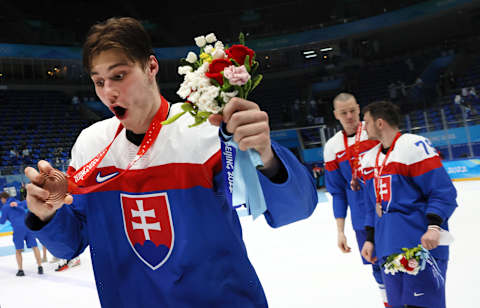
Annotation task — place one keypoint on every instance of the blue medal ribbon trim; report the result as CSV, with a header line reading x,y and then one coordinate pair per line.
x,y
242,186
426,257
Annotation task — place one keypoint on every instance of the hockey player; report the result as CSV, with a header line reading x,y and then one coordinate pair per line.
x,y
161,234
14,211
341,154
410,198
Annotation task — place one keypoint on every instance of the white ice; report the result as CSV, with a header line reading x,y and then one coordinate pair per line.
x,y
299,266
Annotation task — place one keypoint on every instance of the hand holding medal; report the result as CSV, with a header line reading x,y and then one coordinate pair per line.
x,y
48,190
354,184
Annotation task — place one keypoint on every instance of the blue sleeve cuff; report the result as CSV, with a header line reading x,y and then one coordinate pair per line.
x,y
295,198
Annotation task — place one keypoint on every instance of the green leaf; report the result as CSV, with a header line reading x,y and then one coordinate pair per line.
x,y
214,82
187,107
256,81
220,101
241,92
204,114
247,63
201,117
173,119
254,67
248,87
227,87
241,38
235,62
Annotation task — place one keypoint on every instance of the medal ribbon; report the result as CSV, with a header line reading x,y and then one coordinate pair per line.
x,y
356,147
77,180
378,171
242,185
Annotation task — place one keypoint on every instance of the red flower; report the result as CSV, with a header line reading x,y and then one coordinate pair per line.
x,y
239,53
404,262
215,68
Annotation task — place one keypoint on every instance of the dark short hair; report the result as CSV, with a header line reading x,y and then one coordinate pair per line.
x,y
123,33
384,110
4,194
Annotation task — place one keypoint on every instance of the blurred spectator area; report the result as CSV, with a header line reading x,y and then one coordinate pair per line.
x,y
43,122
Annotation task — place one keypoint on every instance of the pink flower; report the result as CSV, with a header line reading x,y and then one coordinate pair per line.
x,y
237,76
413,263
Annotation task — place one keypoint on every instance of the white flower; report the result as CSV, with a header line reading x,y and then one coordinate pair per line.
x,y
218,54
194,97
219,45
210,38
397,262
182,70
227,96
191,57
390,270
208,49
206,101
184,90
200,41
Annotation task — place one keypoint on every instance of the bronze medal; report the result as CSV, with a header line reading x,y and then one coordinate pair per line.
x,y
378,208
57,185
354,185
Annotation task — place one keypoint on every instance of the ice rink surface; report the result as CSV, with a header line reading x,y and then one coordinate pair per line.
x,y
299,265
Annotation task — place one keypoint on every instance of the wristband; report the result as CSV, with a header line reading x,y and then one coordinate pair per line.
x,y
434,227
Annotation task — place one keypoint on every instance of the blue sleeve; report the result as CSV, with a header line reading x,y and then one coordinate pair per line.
x,y
337,185
293,200
65,234
22,204
437,187
4,217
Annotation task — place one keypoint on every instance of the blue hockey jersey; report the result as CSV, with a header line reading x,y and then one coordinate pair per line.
x,y
413,184
16,214
338,174
163,235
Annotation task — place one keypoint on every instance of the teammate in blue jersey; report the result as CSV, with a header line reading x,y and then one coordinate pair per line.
x,y
409,197
341,155
161,234
14,211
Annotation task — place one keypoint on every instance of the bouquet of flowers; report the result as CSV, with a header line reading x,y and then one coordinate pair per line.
x,y
410,261
215,76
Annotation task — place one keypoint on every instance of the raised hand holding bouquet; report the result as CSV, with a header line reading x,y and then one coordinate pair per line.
x,y
215,76
211,80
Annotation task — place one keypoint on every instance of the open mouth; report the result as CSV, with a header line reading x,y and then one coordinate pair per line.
x,y
119,111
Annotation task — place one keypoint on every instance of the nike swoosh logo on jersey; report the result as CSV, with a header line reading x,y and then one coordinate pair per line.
x,y
367,171
101,179
341,155
418,294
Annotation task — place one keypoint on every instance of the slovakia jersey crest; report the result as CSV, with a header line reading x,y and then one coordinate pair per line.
x,y
386,189
148,226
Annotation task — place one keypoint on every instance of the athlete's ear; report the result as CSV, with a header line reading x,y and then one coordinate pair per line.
x,y
152,66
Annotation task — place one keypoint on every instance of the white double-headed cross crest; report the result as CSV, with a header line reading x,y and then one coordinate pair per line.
x,y
383,189
143,225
